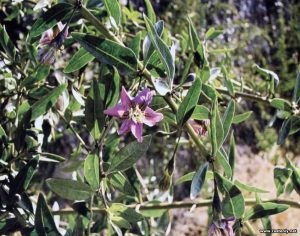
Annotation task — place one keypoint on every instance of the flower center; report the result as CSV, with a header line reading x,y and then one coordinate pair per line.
x,y
136,114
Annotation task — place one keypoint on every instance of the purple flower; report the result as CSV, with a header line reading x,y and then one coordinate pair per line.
x,y
224,228
135,112
50,42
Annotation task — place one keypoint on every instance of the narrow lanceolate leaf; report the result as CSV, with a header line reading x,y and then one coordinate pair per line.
x,y
228,117
281,176
284,131
295,175
94,116
44,222
249,188
121,183
79,60
91,171
114,10
222,159
110,88
121,210
216,129
189,103
264,209
129,154
108,52
233,203
200,113
185,178
296,93
150,12
267,74
198,180
6,43
22,180
70,189
228,82
162,49
281,104
50,18
231,155
241,117
135,44
212,33
46,102
193,36
148,47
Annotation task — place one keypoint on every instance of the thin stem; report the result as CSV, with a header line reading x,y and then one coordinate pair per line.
x,y
252,97
183,204
250,228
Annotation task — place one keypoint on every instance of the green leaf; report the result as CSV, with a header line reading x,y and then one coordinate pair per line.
x,y
231,155
120,222
233,203
46,102
152,212
209,92
266,222
91,171
129,154
249,188
44,222
94,116
162,49
264,209
198,180
200,113
281,104
212,33
295,126
114,10
70,189
185,178
109,52
135,44
50,18
296,93
148,48
189,103
228,82
121,183
110,88
222,159
52,156
216,129
267,74
284,131
78,60
150,12
281,175
295,175
41,73
228,117
241,117
121,210
6,43
21,182
193,36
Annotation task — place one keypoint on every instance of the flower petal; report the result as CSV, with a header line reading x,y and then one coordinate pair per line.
x,y
117,111
125,98
152,117
125,127
137,130
143,98
47,37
